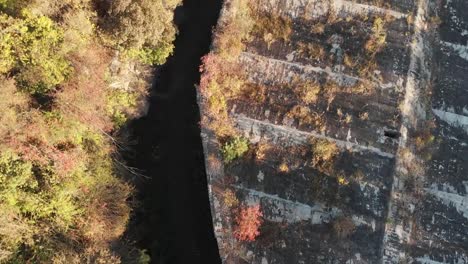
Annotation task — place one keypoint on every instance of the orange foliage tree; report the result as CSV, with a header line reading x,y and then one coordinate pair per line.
x,y
248,221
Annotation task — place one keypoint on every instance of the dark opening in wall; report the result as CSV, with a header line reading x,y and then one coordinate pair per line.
x,y
392,134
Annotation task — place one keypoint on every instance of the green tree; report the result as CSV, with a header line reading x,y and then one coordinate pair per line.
x,y
31,46
143,28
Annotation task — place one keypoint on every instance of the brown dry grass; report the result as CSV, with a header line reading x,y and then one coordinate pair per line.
x,y
344,226
307,117
312,50
272,27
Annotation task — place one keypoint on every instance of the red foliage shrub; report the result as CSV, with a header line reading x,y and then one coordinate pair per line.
x,y
213,68
248,223
209,68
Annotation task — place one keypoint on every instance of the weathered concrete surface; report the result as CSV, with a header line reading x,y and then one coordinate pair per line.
x,y
406,163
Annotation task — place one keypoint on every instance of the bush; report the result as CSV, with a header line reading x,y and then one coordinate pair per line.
x,y
12,104
119,103
217,88
307,117
378,38
234,149
230,198
13,231
312,51
248,222
323,151
106,210
152,56
308,91
144,258
78,30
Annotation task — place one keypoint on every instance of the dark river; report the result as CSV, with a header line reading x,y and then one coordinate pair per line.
x,y
174,220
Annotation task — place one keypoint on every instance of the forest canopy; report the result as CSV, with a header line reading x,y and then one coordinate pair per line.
x,y
68,84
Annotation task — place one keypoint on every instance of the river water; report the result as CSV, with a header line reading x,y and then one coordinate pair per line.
x,y
174,220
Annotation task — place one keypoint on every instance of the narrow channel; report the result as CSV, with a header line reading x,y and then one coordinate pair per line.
x,y
174,220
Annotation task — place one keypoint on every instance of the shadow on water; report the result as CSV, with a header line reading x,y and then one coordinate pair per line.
x,y
174,220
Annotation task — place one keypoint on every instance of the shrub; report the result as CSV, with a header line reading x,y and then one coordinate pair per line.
x,y
323,151
378,38
234,148
119,105
342,180
318,28
78,30
312,50
230,199
5,3
152,56
248,222
309,91
107,211
12,6
283,167
217,88
12,104
13,231
144,258
424,137
262,150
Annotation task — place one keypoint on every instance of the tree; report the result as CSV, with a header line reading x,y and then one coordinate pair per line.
x,y
143,28
31,46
